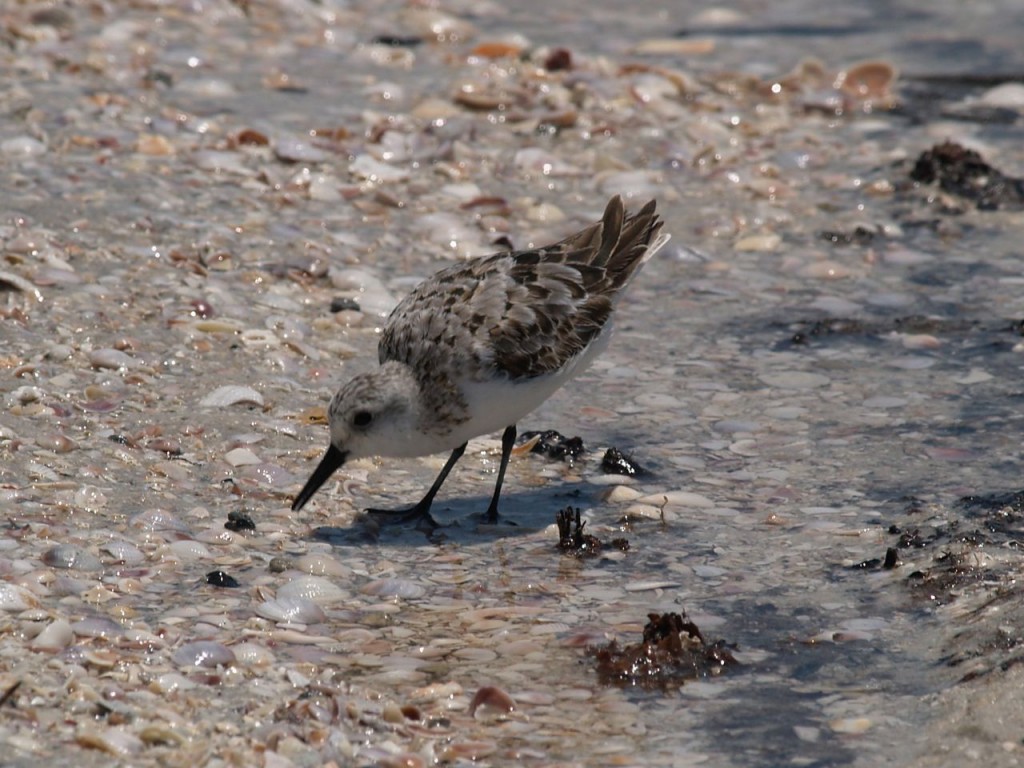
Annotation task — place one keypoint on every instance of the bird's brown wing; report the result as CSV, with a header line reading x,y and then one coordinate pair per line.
x,y
521,314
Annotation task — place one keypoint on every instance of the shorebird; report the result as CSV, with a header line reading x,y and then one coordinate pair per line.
x,y
479,345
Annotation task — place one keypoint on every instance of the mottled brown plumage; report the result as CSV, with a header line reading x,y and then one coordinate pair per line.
x,y
519,314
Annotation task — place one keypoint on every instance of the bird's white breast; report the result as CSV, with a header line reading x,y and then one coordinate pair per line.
x,y
497,403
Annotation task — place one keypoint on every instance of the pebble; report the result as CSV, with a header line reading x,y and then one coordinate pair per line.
x,y
170,682
90,498
14,598
251,654
795,380
620,493
22,147
56,636
850,725
157,520
116,741
836,306
393,588
650,586
371,169
440,25
645,511
21,284
203,653
674,46
974,376
26,394
545,213
473,751
71,556
677,499
316,588
1009,95
321,564
222,162
185,551
296,150
906,257
154,145
291,608
97,627
56,442
490,699
745,448
374,297
912,362
325,188
919,341
260,338
760,243
735,425
239,457
232,394
807,733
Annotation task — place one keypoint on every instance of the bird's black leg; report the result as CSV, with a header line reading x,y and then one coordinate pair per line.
x,y
420,512
508,439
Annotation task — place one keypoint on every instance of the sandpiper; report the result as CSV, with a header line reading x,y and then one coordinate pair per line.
x,y
479,345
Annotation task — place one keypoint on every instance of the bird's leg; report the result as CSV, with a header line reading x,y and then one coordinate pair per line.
x,y
508,439
420,512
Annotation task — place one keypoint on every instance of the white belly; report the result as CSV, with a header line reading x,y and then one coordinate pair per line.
x,y
497,404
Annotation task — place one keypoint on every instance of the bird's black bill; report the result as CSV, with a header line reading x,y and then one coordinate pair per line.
x,y
330,462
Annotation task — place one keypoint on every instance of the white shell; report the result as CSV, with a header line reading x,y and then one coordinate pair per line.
x,y
203,653
232,394
315,588
291,609
55,637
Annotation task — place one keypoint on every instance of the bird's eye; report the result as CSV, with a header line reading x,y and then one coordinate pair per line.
x,y
362,418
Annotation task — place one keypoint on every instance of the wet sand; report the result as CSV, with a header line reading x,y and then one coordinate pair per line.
x,y
211,208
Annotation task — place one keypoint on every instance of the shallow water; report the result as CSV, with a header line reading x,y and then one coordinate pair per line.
x,y
793,397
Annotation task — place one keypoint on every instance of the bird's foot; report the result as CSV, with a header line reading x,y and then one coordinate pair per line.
x,y
418,514
491,517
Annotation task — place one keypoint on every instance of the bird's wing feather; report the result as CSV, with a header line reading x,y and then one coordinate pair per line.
x,y
522,314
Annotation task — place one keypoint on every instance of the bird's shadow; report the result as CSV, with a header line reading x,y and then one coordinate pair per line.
x,y
461,520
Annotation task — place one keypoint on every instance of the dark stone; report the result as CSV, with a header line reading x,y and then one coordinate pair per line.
x,y
221,579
